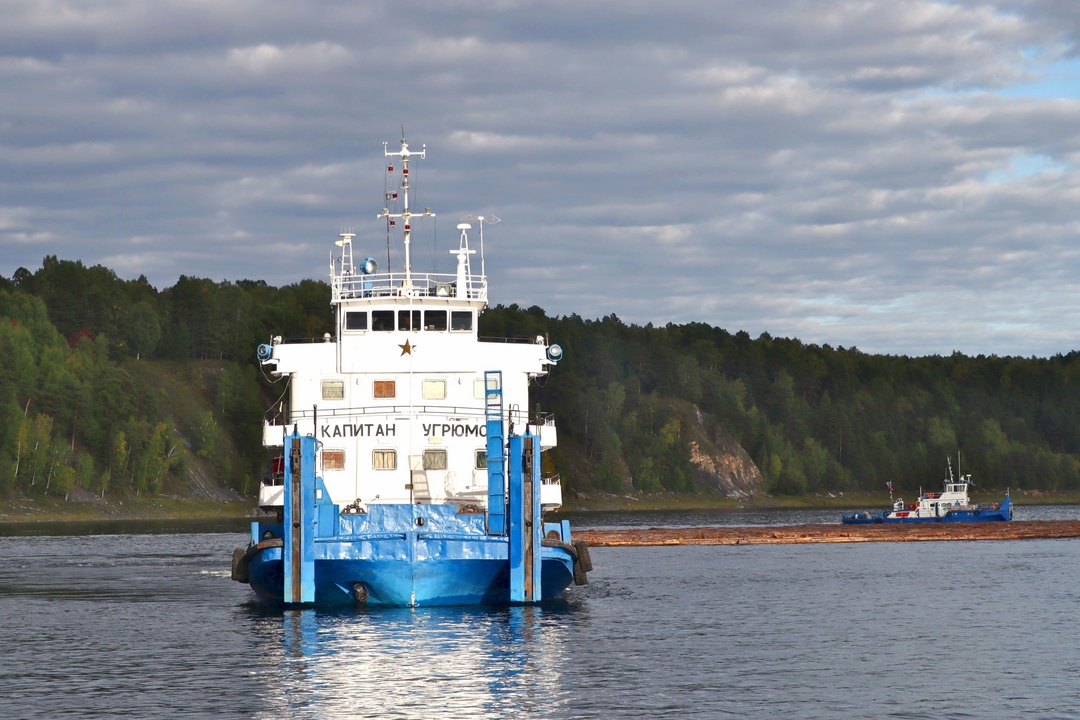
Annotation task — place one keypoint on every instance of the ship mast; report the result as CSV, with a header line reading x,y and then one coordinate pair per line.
x,y
406,214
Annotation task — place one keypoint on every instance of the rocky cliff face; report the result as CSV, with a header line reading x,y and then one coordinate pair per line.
x,y
726,466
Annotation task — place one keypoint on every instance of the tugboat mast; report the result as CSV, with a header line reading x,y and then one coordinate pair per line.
x,y
406,214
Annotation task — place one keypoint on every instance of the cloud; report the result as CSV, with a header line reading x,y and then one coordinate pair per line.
x,y
900,176
307,59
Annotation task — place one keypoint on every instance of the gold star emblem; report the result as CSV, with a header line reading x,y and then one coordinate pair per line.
x,y
406,349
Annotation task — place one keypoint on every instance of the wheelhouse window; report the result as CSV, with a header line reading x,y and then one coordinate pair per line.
x,y
481,459
356,320
435,459
384,389
461,320
408,320
333,389
384,460
382,320
478,389
435,320
333,460
434,389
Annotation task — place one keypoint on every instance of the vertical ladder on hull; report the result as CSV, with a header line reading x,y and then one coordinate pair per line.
x,y
496,452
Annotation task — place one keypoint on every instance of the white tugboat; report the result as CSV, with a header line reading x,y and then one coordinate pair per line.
x,y
952,504
411,469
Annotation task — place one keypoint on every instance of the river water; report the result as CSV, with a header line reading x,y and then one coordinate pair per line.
x,y
149,625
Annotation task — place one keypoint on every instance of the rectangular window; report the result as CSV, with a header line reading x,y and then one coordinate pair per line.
x,y
434,389
384,389
481,459
333,460
478,389
435,459
382,320
333,389
434,319
384,460
408,320
461,320
356,320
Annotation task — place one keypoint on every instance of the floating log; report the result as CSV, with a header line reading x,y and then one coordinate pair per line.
x,y
794,534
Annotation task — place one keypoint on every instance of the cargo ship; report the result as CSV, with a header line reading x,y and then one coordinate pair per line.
x,y
410,468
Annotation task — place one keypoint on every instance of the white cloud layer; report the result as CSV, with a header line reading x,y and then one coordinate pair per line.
x,y
900,176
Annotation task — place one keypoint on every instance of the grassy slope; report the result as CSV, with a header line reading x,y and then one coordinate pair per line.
x,y
183,393
186,394
52,509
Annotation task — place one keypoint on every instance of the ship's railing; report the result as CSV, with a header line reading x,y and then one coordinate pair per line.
x,y
346,286
486,339
274,417
544,419
508,340
298,340
350,412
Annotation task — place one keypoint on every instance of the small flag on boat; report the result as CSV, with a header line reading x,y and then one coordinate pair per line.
x,y
888,483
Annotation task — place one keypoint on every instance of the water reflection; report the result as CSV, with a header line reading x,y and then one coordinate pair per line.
x,y
430,662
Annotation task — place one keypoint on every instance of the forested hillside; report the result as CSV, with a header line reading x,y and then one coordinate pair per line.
x,y
632,402
122,389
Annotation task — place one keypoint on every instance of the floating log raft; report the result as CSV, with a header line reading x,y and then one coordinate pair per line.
x,y
794,534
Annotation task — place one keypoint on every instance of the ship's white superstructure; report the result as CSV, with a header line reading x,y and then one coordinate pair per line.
x,y
396,396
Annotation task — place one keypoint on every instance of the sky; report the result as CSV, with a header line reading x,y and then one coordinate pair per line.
x,y
896,175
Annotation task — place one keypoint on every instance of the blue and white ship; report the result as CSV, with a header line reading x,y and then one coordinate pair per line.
x,y
412,468
951,505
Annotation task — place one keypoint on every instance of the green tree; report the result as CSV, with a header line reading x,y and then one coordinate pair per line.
x,y
142,328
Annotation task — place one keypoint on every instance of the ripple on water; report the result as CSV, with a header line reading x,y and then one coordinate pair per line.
x,y
152,626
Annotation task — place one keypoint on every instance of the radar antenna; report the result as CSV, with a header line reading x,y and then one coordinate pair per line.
x,y
480,220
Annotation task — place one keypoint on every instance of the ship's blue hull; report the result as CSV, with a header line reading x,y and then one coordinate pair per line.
x,y
384,558
1003,513
403,583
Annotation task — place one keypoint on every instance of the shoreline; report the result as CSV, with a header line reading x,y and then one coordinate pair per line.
x,y
29,510
165,510
611,502
838,533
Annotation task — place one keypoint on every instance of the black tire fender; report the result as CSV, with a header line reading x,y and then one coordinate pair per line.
x,y
583,555
241,562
